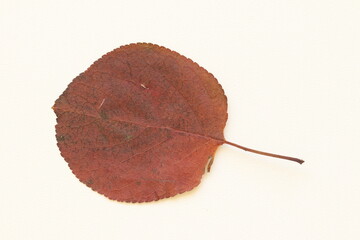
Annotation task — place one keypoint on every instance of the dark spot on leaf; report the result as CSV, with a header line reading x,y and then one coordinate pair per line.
x,y
60,138
89,182
103,115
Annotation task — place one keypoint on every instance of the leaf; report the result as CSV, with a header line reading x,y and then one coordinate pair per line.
x,y
142,123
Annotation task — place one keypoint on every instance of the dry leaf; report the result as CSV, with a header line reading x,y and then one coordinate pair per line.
x,y
142,123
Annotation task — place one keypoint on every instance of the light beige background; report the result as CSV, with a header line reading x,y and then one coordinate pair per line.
x,y
291,72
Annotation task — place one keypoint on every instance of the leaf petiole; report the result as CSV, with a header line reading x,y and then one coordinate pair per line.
x,y
265,153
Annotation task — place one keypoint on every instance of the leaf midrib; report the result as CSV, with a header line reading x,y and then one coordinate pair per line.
x,y
220,141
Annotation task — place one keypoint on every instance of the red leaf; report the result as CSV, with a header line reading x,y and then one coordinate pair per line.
x,y
141,123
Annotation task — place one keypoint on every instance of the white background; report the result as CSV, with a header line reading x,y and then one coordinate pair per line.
x,y
291,72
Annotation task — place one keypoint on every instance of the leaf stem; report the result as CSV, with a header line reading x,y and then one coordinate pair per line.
x,y
265,153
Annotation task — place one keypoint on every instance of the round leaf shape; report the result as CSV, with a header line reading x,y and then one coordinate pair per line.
x,y
141,124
